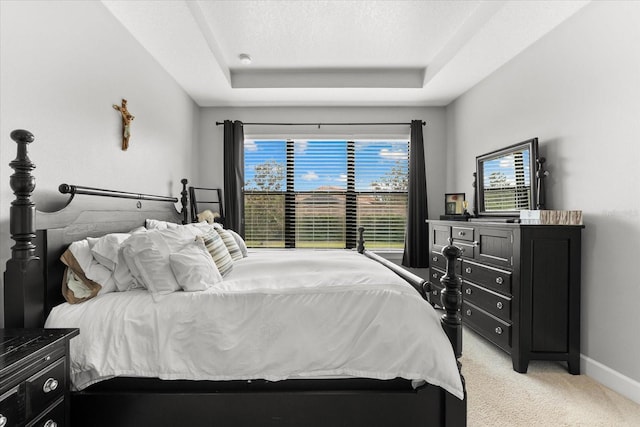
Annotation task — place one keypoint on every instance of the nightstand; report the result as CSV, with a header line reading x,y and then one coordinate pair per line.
x,y
34,377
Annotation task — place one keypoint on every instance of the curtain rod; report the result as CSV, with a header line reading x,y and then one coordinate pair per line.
x,y
326,124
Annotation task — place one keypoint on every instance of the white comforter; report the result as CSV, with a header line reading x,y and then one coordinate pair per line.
x,y
279,314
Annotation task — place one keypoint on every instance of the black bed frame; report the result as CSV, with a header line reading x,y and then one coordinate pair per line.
x,y
32,284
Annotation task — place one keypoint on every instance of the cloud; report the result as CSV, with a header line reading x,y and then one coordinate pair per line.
x,y
342,178
250,145
300,146
310,176
395,154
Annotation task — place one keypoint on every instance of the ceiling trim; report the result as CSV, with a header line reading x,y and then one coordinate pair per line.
x,y
329,78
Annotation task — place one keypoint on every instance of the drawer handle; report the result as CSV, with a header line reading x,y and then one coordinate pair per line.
x,y
50,385
435,259
468,270
461,233
3,420
468,312
468,291
435,275
499,330
499,305
50,423
435,292
499,280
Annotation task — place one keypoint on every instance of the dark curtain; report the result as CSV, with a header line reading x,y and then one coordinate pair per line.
x,y
416,242
234,176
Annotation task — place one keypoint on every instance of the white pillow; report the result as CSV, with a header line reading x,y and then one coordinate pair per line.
x,y
105,249
156,224
148,255
123,276
194,268
230,243
180,236
92,269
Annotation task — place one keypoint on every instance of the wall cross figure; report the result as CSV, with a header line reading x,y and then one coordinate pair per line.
x,y
127,118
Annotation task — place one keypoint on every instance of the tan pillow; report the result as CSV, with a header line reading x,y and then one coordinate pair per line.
x,y
72,264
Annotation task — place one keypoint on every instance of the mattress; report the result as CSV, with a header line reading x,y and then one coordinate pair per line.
x,y
279,314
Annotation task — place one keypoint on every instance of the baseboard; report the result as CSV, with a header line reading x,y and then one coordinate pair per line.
x,y
606,376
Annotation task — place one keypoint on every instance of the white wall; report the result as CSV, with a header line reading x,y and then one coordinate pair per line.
x,y
578,91
63,65
211,136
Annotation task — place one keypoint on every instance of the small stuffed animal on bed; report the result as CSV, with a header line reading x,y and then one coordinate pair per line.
x,y
208,216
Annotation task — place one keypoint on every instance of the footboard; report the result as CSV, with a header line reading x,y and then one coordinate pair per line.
x,y
451,296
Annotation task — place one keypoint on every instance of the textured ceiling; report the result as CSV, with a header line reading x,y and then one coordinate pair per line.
x,y
335,53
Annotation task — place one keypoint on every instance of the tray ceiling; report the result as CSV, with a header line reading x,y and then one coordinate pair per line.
x,y
335,53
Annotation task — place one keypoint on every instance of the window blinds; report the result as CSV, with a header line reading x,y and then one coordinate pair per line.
x,y
316,193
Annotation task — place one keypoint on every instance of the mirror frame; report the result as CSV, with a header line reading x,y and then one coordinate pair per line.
x,y
532,146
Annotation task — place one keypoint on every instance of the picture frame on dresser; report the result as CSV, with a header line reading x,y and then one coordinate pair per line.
x,y
454,203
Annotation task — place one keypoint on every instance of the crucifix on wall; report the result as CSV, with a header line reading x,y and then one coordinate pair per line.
x,y
127,118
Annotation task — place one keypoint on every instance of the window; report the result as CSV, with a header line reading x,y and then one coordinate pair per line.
x,y
316,193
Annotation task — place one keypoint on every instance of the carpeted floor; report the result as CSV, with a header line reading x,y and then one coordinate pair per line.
x,y
547,395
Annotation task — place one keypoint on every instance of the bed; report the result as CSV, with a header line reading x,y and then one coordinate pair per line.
x,y
301,391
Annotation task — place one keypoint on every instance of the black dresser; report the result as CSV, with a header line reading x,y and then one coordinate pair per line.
x,y
520,286
34,377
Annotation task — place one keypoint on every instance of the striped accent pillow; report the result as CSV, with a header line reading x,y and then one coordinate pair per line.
x,y
230,243
218,251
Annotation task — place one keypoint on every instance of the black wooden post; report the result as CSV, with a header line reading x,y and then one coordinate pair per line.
x,y
541,174
23,276
360,239
183,202
451,299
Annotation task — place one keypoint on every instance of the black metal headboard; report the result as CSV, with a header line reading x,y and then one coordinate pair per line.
x,y
34,273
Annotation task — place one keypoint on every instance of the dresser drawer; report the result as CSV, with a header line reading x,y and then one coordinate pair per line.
x,y
493,278
45,387
498,331
53,417
434,276
10,408
438,260
490,301
463,233
468,250
440,235
434,294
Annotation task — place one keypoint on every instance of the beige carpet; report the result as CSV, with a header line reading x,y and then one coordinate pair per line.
x,y
547,395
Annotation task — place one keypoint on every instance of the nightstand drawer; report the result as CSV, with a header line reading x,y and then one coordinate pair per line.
x,y
492,302
10,408
53,417
488,325
45,387
34,376
493,278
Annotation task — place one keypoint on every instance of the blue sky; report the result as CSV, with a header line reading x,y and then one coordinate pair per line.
x,y
322,163
506,166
